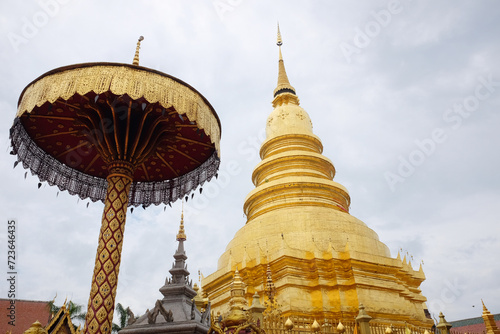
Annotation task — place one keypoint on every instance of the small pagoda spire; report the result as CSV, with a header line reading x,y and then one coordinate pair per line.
x,y
443,325
182,234
179,268
283,82
136,56
489,321
237,303
270,289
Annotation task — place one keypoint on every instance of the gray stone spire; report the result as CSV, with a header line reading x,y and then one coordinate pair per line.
x,y
176,312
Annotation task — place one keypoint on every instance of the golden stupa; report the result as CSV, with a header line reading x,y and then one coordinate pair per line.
x,y
325,262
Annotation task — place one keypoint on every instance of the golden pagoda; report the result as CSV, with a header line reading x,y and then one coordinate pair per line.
x,y
325,262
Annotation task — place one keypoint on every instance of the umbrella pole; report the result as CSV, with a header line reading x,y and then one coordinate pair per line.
x,y
107,264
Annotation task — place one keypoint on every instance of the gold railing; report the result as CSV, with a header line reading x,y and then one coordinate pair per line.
x,y
303,325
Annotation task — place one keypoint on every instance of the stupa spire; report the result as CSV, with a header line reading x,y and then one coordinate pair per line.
x,y
284,86
298,215
182,234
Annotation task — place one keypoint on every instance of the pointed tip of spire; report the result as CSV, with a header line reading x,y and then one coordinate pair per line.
x,y
284,85
279,41
182,234
136,56
484,306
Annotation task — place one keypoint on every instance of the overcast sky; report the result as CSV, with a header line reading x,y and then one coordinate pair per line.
x,y
405,97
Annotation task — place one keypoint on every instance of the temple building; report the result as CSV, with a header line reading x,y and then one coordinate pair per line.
x,y
324,261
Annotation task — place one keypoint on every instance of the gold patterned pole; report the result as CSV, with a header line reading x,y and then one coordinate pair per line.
x,y
107,263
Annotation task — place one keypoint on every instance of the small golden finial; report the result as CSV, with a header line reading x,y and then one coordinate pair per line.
x,y
283,82
316,326
136,56
340,328
288,324
182,234
280,41
269,288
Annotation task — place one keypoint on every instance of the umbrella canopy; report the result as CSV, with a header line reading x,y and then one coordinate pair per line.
x,y
74,121
123,134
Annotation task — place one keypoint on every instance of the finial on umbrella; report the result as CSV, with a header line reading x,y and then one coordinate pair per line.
x,y
136,56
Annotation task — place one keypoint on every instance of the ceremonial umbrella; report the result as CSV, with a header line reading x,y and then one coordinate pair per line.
x,y
123,134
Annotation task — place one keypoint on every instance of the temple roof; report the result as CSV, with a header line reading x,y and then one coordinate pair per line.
x,y
61,323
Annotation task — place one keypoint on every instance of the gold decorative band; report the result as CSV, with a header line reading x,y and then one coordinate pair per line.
x,y
119,79
121,168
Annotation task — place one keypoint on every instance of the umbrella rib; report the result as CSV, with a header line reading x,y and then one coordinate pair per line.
x,y
71,149
148,140
101,121
91,163
166,163
145,171
62,118
138,135
116,128
57,134
99,144
65,103
127,131
152,129
184,154
194,141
